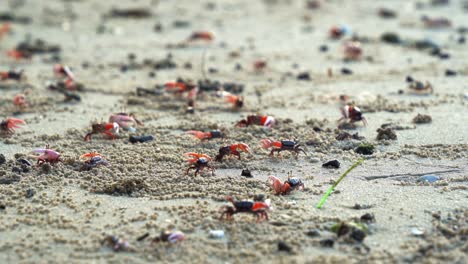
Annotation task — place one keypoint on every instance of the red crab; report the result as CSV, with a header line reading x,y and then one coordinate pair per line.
x,y
48,156
278,146
63,71
259,65
199,162
288,186
110,129
8,125
19,100
266,121
4,29
233,149
352,113
236,101
201,35
206,135
352,50
259,209
12,75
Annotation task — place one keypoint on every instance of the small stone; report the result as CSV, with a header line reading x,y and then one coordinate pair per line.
x,y
304,76
282,246
246,173
365,149
332,164
449,72
314,160
259,197
417,232
30,193
386,134
2,207
323,48
357,234
422,119
313,233
428,178
216,234
346,71
368,218
391,38
2,159
327,242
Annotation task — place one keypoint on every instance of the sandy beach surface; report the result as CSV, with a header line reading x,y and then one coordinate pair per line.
x,y
57,214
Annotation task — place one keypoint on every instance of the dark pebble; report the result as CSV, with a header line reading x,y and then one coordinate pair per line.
x,y
313,233
16,169
450,72
188,65
30,193
461,40
444,56
365,149
357,234
323,48
409,79
2,207
246,173
282,246
142,237
332,164
391,38
131,56
152,74
157,27
238,67
141,139
259,198
123,68
2,159
346,71
327,242
181,24
304,76
212,70
368,218
317,129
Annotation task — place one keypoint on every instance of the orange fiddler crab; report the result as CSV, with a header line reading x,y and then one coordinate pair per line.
x,y
92,160
8,125
233,149
266,121
236,101
16,75
19,100
206,135
199,162
110,129
292,183
278,146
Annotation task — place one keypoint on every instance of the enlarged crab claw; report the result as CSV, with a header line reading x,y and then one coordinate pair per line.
x,y
175,237
197,134
244,147
276,184
266,143
39,151
14,122
193,156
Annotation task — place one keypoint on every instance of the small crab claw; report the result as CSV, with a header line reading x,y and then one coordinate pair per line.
x,y
261,205
364,121
14,122
193,156
176,237
197,134
276,184
39,151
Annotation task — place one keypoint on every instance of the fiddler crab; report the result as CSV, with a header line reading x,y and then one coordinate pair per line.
x,y
117,243
199,162
206,135
287,186
351,113
19,100
236,101
258,208
125,121
278,146
65,71
179,86
92,160
171,237
8,125
266,121
48,156
233,149
16,75
201,35
110,129
418,87
352,50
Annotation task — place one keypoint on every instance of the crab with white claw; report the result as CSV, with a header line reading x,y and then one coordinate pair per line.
x,y
292,183
48,156
199,162
351,113
110,129
125,120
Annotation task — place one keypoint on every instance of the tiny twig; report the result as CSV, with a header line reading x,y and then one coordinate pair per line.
x,y
369,178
